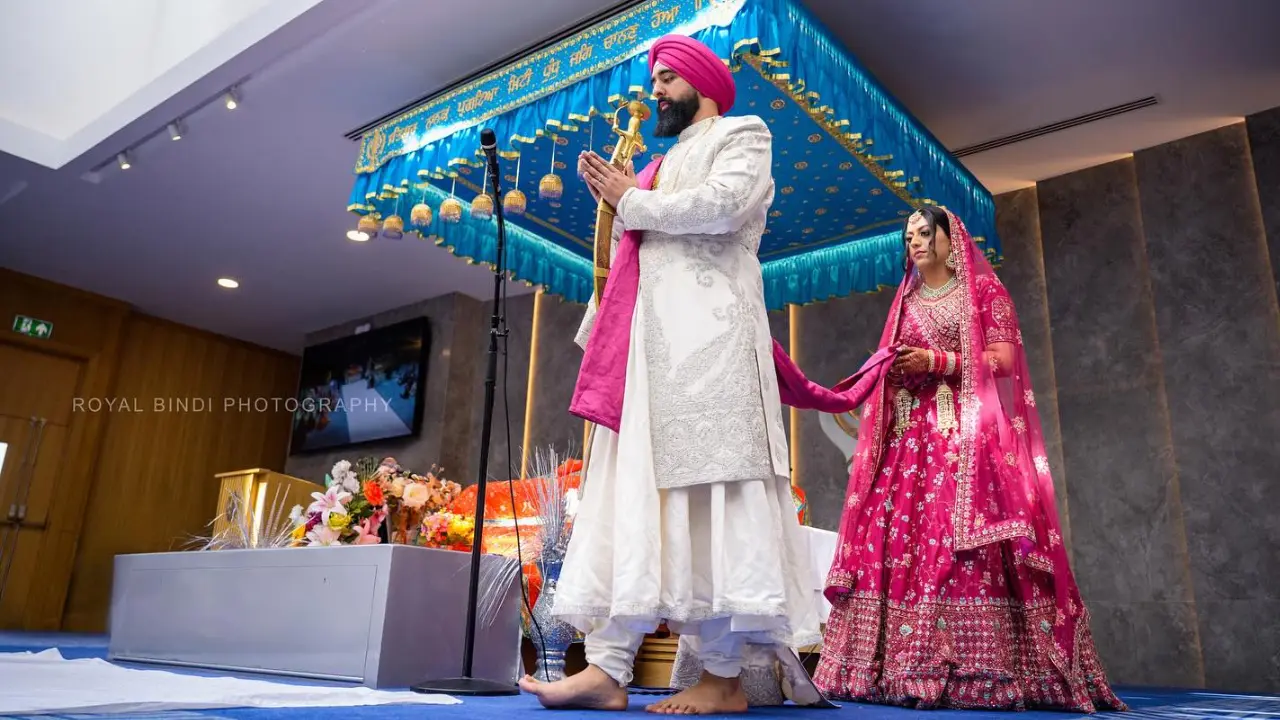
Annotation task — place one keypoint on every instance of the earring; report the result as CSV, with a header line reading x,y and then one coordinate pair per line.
x,y
951,260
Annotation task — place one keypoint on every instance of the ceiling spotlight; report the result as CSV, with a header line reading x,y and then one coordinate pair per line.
x,y
357,236
123,161
228,283
232,100
175,130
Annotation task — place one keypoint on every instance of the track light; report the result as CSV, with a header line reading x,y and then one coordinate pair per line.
x,y
177,129
357,236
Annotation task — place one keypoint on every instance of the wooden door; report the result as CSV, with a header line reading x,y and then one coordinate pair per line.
x,y
37,402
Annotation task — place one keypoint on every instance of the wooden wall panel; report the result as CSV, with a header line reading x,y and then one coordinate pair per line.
x,y
86,328
140,480
200,405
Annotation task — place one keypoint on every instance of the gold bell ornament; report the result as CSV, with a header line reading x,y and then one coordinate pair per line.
x,y
421,215
368,225
482,207
551,187
451,208
514,202
393,227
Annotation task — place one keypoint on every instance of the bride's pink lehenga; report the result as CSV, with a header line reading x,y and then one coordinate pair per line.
x,y
951,586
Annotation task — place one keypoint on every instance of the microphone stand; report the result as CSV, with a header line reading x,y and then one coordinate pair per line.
x,y
466,684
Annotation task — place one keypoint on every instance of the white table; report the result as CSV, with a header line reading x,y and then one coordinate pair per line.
x,y
822,550
378,615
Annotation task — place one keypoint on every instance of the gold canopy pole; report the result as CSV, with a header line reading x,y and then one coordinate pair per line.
x,y
630,143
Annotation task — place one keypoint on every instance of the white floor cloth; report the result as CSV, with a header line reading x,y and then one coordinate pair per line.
x,y
45,683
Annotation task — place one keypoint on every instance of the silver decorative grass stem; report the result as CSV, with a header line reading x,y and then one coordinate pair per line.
x,y
276,530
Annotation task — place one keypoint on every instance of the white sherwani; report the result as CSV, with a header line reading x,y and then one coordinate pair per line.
x,y
686,514
713,392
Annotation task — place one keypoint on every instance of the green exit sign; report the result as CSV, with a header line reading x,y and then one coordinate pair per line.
x,y
32,327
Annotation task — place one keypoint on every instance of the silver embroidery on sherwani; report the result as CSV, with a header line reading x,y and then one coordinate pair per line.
x,y
714,406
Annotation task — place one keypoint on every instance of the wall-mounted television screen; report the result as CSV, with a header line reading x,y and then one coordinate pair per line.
x,y
362,388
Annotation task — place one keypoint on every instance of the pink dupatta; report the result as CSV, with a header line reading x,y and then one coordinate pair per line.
x,y
602,379
848,395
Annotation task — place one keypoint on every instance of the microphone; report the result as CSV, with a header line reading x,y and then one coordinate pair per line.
x,y
489,145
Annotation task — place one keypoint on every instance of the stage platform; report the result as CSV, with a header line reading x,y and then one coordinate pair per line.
x,y
1147,704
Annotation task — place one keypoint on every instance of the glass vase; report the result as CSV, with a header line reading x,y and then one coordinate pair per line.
x,y
550,635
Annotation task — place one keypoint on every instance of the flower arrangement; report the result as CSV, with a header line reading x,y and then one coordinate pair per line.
x,y
359,499
410,497
447,530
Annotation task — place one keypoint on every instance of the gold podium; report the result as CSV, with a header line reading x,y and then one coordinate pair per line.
x,y
655,661
246,496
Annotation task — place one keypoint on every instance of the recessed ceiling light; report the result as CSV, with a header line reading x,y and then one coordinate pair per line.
x,y
228,283
357,236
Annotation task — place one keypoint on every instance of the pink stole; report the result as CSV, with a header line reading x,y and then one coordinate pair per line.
x,y
602,379
848,395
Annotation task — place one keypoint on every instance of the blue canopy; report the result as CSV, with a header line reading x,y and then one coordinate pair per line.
x,y
849,161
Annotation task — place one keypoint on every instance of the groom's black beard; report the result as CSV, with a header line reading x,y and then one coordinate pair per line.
x,y
677,117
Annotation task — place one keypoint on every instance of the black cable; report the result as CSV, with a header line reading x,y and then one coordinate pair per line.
x,y
504,334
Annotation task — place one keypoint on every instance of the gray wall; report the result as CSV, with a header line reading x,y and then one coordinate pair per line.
x,y
1129,550
1218,325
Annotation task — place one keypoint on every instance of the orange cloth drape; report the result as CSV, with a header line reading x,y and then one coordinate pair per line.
x,y
500,532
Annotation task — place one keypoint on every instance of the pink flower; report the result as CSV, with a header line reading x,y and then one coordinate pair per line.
x,y
367,530
333,499
323,536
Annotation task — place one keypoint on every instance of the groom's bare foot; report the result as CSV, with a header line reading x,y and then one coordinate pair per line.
x,y
590,689
711,696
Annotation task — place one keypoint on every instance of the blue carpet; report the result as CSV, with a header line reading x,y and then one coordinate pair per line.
x,y
1146,704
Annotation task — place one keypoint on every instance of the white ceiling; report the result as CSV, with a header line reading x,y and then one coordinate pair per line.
x,y
259,194
112,62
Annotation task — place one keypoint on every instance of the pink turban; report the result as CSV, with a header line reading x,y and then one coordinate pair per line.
x,y
698,66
